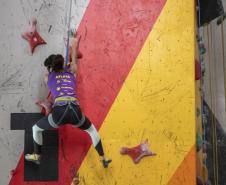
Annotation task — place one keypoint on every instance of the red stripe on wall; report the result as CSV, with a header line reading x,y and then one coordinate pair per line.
x,y
113,32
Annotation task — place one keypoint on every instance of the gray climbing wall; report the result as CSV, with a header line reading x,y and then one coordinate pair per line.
x,y
21,74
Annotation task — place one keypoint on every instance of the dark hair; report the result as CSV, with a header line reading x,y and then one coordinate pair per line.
x,y
54,62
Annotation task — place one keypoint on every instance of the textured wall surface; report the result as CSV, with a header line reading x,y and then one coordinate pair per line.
x,y
21,81
135,82
155,102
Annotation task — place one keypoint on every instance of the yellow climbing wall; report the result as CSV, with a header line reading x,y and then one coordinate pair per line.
x,y
156,102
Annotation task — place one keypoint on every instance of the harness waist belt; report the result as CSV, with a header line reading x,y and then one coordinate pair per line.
x,y
65,99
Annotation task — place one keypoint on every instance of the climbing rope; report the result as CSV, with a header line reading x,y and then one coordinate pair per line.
x,y
68,32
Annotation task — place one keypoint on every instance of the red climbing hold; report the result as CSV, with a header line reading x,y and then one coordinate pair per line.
x,y
138,152
32,36
12,172
197,70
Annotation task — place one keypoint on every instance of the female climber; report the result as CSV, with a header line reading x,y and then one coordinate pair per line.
x,y
62,84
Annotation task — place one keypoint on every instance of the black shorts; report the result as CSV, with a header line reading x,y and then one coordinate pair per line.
x,y
66,113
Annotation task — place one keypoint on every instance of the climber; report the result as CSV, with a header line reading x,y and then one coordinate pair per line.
x,y
62,84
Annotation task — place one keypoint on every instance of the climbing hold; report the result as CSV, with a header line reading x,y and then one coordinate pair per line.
x,y
32,36
75,180
198,38
75,175
202,48
197,70
221,19
138,152
12,172
106,162
46,106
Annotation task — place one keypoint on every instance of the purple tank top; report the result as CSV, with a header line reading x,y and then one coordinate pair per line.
x,y
62,84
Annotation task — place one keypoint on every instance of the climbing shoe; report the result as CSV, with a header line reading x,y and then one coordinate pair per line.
x,y
106,162
35,158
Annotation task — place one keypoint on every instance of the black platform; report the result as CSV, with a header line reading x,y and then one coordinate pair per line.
x,y
48,169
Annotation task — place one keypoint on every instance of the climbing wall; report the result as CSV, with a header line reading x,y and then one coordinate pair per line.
x,y
135,82
21,74
156,100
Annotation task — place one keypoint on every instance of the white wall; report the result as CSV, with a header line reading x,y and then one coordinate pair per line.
x,y
21,83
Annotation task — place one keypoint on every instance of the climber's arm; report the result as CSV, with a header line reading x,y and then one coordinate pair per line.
x,y
46,78
74,48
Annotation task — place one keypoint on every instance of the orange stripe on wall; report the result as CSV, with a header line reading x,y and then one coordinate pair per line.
x,y
186,172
